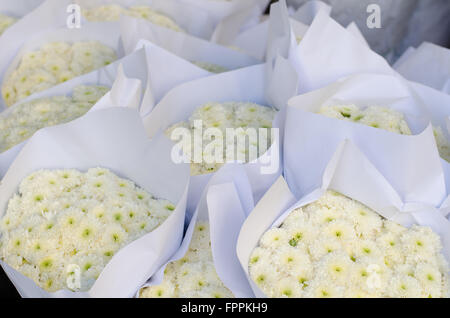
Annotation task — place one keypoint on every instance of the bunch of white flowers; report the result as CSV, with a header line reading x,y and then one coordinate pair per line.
x,y
20,122
113,12
223,116
6,22
194,276
337,247
64,226
212,68
53,64
374,116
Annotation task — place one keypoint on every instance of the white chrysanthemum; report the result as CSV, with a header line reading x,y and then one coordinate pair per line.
x,y
23,120
6,22
193,276
442,143
421,243
274,238
337,247
374,116
56,230
113,12
321,288
52,64
251,123
404,286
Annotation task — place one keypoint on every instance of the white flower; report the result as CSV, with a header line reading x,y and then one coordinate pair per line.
x,y
52,64
69,245
337,247
374,116
6,22
193,276
113,12
228,115
23,120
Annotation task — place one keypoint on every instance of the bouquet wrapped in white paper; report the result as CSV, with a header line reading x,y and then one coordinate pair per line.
x,y
434,100
352,235
244,85
123,91
81,145
41,63
306,128
206,265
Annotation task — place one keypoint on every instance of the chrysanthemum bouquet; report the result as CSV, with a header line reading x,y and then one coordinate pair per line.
x,y
52,64
332,244
67,225
22,121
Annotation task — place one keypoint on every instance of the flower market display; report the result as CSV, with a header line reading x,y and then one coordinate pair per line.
x,y
21,121
193,276
223,116
64,226
337,247
6,22
52,64
184,149
113,12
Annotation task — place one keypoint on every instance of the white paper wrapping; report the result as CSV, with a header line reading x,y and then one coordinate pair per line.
x,y
239,21
164,71
86,143
435,102
306,12
193,20
281,36
271,33
125,77
226,202
350,173
47,16
410,163
248,85
429,64
328,52
188,47
404,23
